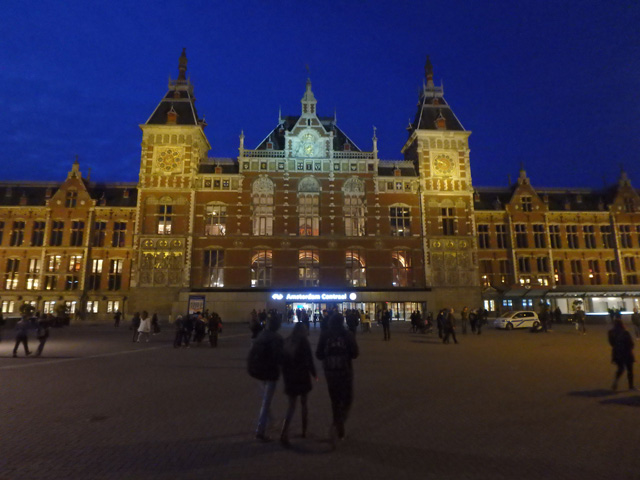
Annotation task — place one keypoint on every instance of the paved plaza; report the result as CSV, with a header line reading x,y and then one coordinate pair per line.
x,y
503,405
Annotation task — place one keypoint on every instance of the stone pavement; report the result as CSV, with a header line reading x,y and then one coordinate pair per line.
x,y
503,405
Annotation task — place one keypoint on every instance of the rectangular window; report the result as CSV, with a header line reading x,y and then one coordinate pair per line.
x,y
53,263
589,232
522,240
49,307
92,306
355,271
215,218
400,268
524,264
502,236
8,306
526,203
165,215
11,274
625,236
37,234
57,229
504,267
308,268
113,306
119,231
594,272
554,236
484,239
576,272
611,268
558,272
71,282
400,221
448,221
50,282
607,237
543,264
263,215
99,234
630,264
95,275
213,264
77,233
539,236
486,272
261,267
17,234
1,231
75,263
33,274
354,220
308,215
72,199
572,236
115,274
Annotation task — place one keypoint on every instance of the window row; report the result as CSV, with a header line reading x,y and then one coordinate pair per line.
x,y
574,236
308,268
49,306
17,233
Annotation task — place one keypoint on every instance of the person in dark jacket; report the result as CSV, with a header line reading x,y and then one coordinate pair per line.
x,y
621,353
635,319
22,335
43,332
337,347
449,326
214,328
297,370
179,325
386,324
273,344
135,324
155,324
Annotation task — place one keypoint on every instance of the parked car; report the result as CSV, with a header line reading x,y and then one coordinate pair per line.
x,y
519,319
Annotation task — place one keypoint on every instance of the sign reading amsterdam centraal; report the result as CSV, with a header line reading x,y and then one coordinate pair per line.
x,y
314,297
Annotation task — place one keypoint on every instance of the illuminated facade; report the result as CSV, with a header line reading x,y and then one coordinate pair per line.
x,y
307,218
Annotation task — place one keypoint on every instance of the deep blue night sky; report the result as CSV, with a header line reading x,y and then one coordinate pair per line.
x,y
552,84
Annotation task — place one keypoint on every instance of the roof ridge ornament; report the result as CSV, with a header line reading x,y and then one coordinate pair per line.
x,y
428,73
182,66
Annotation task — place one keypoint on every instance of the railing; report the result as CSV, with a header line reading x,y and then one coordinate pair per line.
x,y
263,153
351,155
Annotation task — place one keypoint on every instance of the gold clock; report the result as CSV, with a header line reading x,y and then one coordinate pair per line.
x,y
443,165
169,160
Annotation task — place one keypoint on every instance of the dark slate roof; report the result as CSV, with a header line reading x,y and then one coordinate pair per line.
x,y
180,97
386,168
37,194
431,105
558,199
229,165
276,136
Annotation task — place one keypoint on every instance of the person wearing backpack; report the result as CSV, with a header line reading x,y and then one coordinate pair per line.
x,y
337,347
297,370
265,358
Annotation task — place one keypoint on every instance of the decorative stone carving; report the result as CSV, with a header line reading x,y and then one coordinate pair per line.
x,y
354,185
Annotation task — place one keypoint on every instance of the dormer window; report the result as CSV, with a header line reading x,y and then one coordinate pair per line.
x,y
441,123
72,199
526,203
347,147
125,193
269,145
629,206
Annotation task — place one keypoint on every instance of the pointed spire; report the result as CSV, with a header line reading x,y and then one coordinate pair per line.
x,y
375,139
182,67
308,100
624,178
428,73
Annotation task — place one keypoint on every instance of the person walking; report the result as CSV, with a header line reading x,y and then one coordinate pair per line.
x,y
116,318
621,353
579,317
145,326
386,324
265,359
449,327
464,319
179,326
214,328
43,333
297,370
135,325
336,349
155,324
635,319
22,336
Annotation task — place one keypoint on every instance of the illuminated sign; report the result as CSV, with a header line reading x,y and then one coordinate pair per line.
x,y
314,297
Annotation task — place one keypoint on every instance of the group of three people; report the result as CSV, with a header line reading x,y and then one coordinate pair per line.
x,y
271,354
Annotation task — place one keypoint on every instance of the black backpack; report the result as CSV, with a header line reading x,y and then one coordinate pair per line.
x,y
336,354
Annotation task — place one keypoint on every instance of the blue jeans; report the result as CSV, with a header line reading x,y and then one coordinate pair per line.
x,y
268,389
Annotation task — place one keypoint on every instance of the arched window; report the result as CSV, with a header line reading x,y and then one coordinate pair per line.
x,y
261,266
355,268
309,207
400,268
308,268
262,201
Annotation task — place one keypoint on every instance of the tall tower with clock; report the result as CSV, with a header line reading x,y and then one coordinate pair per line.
x,y
439,148
173,147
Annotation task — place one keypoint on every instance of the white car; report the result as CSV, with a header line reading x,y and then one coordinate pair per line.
x,y
520,319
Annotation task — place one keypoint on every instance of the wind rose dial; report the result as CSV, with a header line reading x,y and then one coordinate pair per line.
x,y
443,165
169,160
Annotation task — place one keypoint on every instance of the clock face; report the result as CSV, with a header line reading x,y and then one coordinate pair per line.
x,y
443,165
169,160
308,149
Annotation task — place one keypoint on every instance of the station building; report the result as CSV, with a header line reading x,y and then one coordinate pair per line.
x,y
308,219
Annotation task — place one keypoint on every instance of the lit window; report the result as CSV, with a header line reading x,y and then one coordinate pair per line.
x,y
215,220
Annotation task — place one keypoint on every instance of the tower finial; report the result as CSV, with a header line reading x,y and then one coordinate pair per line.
x,y
428,72
182,66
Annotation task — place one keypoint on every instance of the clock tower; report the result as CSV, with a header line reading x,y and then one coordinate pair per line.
x,y
439,149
